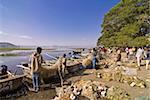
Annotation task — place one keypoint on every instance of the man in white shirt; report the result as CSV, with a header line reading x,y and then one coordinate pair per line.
x,y
139,55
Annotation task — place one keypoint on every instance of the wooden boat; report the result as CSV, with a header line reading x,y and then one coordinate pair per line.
x,y
49,69
10,82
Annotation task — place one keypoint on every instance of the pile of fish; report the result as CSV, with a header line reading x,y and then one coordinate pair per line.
x,y
118,74
90,90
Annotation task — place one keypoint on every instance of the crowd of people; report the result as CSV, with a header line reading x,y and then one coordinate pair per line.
x,y
141,53
132,54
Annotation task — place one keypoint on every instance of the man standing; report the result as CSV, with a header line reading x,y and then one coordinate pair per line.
x,y
63,65
118,57
138,56
94,53
127,51
36,62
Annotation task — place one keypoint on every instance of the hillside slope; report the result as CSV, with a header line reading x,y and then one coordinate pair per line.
x,y
7,45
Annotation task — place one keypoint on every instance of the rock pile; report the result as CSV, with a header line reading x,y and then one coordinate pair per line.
x,y
118,75
115,93
90,90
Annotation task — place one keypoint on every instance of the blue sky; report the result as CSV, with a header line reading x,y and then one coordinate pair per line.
x,y
52,22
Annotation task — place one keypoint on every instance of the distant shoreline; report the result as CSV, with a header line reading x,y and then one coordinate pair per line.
x,y
7,52
8,49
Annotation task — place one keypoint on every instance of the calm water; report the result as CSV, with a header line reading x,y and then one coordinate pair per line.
x,y
12,61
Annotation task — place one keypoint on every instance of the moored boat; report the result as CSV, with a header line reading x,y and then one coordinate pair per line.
x,y
49,69
10,83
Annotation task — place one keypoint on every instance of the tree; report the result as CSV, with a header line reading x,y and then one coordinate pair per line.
x,y
126,24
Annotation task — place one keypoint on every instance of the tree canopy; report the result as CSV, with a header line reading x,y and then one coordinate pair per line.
x,y
126,24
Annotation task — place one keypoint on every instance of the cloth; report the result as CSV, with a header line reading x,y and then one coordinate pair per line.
x,y
36,62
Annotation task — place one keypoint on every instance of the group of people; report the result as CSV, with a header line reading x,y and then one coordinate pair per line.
x,y
139,54
131,54
143,54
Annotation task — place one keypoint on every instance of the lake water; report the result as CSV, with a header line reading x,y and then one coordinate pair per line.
x,y
12,61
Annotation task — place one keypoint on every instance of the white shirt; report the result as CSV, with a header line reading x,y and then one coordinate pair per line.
x,y
139,52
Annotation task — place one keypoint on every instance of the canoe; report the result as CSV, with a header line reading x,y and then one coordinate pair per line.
x,y
10,83
49,69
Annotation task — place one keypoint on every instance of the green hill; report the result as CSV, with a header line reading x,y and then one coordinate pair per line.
x,y
126,24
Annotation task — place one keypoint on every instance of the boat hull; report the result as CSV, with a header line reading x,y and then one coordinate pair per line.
x,y
11,83
51,71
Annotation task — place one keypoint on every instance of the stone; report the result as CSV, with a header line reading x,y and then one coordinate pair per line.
x,y
107,76
72,97
132,84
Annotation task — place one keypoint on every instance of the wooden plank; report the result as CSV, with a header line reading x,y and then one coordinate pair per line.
x,y
12,78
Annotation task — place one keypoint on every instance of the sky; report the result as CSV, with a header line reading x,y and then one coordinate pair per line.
x,y
52,22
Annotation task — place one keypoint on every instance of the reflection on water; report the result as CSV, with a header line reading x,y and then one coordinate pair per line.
x,y
12,61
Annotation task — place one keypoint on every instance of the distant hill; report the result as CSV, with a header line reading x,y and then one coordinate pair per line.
x,y
7,45
126,24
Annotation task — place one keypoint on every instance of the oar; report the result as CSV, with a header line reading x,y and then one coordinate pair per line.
x,y
21,66
51,56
